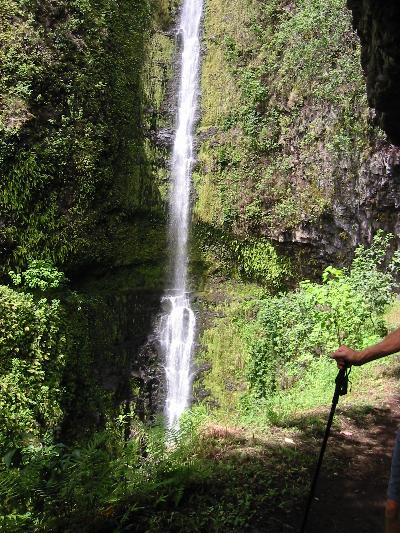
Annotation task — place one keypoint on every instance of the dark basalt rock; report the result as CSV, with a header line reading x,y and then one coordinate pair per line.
x,y
163,138
133,361
364,200
377,23
118,359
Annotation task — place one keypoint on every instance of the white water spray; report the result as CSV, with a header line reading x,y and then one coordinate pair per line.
x,y
177,328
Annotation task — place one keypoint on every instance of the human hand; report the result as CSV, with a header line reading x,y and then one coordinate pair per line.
x,y
346,356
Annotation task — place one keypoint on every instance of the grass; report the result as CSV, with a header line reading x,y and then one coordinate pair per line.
x,y
226,341
232,307
393,315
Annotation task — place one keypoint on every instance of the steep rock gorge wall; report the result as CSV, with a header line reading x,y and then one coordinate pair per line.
x,y
288,148
378,25
86,92
82,86
288,152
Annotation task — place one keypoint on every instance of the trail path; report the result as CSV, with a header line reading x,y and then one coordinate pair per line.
x,y
258,482
351,493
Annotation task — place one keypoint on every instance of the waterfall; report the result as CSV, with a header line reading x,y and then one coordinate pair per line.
x,y
177,327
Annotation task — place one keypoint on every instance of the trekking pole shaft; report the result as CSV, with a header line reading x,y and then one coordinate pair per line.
x,y
339,384
318,468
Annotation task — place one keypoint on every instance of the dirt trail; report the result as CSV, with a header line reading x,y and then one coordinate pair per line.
x,y
258,482
352,489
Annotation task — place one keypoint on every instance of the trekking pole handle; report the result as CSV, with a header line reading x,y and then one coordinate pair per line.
x,y
342,383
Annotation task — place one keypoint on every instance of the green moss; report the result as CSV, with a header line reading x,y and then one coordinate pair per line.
x,y
83,85
284,110
225,344
216,252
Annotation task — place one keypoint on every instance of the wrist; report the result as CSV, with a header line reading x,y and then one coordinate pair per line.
x,y
360,357
363,356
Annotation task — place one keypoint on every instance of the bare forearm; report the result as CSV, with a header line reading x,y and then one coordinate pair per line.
x,y
345,356
390,344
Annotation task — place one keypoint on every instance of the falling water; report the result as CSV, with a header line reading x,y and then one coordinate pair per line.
x,y
177,326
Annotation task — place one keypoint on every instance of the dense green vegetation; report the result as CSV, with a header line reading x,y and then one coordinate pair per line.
x,y
84,90
48,360
32,359
269,360
285,122
77,165
314,320
265,350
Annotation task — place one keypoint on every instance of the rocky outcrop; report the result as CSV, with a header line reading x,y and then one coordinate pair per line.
x,y
367,200
112,362
295,155
378,25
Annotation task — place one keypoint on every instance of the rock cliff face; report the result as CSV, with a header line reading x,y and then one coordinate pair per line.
x,y
362,202
81,89
289,149
114,363
378,26
83,92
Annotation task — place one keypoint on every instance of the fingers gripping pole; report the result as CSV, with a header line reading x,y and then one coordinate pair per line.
x,y
342,381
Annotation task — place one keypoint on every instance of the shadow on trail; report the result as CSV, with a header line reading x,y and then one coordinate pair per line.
x,y
261,485
352,488
239,482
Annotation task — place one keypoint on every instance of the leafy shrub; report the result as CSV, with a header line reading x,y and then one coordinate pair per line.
x,y
32,356
39,275
368,275
314,320
259,261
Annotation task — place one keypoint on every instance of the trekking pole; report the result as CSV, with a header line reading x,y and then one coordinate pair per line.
x,y
342,381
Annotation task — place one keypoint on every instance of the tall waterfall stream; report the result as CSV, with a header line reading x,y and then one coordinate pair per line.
x,y
177,327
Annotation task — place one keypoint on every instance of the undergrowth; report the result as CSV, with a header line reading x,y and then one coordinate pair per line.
x,y
269,355
270,366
